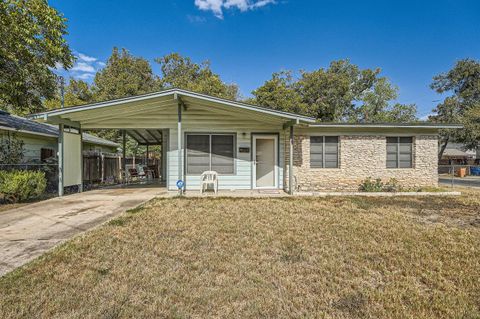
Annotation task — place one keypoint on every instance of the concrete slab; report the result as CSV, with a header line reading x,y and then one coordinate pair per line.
x,y
29,231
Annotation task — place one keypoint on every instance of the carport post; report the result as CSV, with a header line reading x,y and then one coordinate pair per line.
x,y
290,162
124,154
80,187
60,159
179,145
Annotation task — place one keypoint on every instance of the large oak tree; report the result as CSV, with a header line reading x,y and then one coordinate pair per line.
x,y
462,105
32,44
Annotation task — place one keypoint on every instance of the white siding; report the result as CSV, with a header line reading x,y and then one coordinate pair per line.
x,y
196,122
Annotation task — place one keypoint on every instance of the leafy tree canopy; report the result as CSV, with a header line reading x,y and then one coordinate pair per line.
x,y
77,92
462,105
180,72
32,43
124,75
343,92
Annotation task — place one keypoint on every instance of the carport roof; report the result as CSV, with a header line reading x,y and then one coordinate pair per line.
x,y
174,93
146,136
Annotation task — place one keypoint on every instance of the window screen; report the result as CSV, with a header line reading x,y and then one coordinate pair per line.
x,y
399,152
222,154
207,152
324,151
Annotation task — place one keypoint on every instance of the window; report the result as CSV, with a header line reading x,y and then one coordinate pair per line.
x,y
46,153
399,152
213,152
324,151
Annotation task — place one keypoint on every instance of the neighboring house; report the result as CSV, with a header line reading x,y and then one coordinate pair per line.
x,y
41,140
456,153
251,147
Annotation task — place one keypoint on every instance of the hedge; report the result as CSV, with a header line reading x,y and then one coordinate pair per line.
x,y
16,186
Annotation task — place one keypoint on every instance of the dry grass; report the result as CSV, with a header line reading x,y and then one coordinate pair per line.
x,y
284,257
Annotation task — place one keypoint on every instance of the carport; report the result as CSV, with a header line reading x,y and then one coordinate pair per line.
x,y
137,117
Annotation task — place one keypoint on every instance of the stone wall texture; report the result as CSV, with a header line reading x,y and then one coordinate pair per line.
x,y
360,157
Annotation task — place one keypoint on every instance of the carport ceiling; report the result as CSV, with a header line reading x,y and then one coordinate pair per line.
x,y
146,136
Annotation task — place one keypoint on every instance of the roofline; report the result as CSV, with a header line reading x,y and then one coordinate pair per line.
x,y
168,92
27,132
389,125
103,141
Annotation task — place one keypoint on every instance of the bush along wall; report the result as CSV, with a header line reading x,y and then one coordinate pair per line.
x,y
17,186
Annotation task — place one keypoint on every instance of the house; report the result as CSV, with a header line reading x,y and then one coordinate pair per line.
x,y
252,147
456,153
41,140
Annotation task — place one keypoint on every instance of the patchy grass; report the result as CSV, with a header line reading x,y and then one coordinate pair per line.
x,y
284,257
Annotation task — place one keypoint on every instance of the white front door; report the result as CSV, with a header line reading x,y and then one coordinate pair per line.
x,y
265,166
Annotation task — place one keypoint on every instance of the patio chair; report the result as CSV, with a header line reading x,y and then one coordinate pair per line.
x,y
209,178
133,174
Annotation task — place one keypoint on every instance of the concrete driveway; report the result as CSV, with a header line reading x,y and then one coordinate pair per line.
x,y
29,231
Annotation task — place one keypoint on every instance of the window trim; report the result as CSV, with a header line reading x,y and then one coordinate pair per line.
x,y
323,152
185,151
397,166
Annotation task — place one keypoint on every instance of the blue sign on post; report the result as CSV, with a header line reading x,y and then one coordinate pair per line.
x,y
180,184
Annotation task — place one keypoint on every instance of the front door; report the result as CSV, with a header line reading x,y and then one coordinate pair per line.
x,y
265,161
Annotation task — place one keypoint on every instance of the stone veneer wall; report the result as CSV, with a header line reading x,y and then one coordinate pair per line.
x,y
362,156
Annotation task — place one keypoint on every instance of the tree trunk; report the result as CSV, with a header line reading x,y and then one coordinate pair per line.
x,y
442,148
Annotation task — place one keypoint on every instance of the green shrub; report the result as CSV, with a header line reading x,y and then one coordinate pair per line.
x,y
369,185
392,186
16,186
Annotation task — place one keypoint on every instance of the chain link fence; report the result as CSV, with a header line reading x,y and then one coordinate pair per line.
x,y
459,175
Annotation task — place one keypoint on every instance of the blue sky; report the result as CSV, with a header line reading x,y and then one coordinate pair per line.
x,y
247,40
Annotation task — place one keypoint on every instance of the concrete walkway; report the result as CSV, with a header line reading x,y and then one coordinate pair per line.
x,y
29,231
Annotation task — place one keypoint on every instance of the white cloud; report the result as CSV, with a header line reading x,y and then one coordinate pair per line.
x,y
217,6
86,58
425,117
83,67
101,64
83,76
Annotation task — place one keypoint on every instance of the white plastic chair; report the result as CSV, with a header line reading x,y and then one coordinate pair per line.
x,y
209,178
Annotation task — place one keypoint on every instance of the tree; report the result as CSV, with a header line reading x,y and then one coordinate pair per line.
x,y
124,75
376,107
280,93
461,106
11,149
343,92
32,44
180,72
77,92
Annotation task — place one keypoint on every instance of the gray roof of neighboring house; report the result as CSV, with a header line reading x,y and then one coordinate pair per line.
x,y
21,124
452,152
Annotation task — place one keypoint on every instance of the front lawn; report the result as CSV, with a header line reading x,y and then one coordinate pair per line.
x,y
284,257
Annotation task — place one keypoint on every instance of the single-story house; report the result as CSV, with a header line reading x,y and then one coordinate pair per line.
x,y
253,147
41,140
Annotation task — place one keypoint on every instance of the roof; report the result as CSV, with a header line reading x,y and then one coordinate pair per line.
x,y
175,92
20,124
95,115
389,125
451,152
